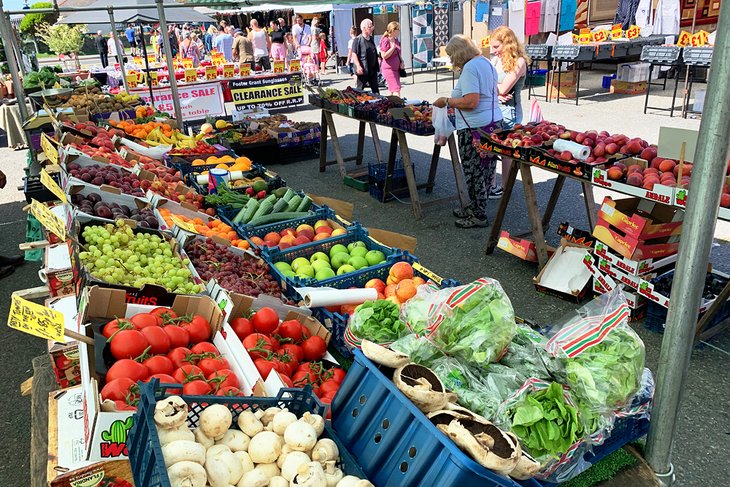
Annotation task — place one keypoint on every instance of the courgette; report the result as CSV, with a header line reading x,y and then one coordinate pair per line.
x,y
276,217
305,204
290,193
280,192
264,209
251,208
270,199
280,205
294,203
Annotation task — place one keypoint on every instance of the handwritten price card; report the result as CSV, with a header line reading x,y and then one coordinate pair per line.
x,y
633,32
132,80
191,75
34,319
295,65
52,186
187,62
154,81
229,70
151,58
187,226
211,72
279,67
245,70
49,149
48,219
601,35
616,31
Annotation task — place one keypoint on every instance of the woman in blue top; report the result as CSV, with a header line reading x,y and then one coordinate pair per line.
x,y
475,100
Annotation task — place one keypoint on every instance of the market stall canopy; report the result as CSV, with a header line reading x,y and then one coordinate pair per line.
x,y
147,12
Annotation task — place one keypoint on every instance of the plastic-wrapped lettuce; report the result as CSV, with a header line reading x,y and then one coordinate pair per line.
x,y
420,349
526,353
475,323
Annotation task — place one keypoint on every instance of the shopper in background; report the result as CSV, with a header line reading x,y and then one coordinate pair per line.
x,y
392,62
198,42
291,49
154,37
114,45
103,48
174,44
314,43
365,57
188,49
223,43
278,41
242,48
139,39
282,25
209,35
261,45
301,32
510,60
323,55
475,100
350,62
129,33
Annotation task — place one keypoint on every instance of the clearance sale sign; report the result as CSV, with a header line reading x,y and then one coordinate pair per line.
x,y
277,91
197,101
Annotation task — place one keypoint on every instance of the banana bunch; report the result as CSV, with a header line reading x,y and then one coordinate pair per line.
x,y
177,140
126,99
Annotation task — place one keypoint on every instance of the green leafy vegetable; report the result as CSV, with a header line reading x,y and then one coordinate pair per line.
x,y
377,321
526,353
420,349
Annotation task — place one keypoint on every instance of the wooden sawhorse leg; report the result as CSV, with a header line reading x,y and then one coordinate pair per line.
x,y
533,212
323,143
410,175
507,184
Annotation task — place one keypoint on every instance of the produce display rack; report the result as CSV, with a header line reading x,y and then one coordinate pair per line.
x,y
695,58
662,56
538,53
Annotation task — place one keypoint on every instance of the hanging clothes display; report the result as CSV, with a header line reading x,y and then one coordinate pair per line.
x,y
626,13
643,17
422,36
567,14
550,10
532,18
516,19
666,18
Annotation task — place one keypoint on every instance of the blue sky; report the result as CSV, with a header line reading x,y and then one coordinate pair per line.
x,y
16,4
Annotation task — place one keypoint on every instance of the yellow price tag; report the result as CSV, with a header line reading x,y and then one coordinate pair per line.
x,y
229,71
699,39
53,186
601,35
585,38
49,149
183,225
191,75
132,80
151,58
684,39
138,60
435,278
244,71
153,78
48,219
295,65
211,72
279,67
633,32
187,62
485,42
218,59
140,77
35,319
616,31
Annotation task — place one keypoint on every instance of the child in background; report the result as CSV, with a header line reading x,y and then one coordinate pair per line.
x,y
350,63
291,49
322,52
309,65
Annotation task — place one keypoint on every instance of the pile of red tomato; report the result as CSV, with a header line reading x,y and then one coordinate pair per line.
x,y
174,349
288,348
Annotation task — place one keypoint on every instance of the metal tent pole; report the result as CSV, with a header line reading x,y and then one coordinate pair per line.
x,y
146,64
170,64
6,30
710,162
117,45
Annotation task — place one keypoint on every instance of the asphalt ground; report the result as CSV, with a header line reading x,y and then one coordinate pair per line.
x,y
703,428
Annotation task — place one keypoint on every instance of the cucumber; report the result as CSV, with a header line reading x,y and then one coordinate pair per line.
x,y
280,205
280,192
305,204
270,199
241,212
290,193
276,217
264,209
294,203
251,208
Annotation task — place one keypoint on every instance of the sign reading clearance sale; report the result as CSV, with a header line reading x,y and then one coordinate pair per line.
x,y
197,101
277,91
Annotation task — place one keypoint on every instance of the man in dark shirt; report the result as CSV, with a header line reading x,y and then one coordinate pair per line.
x,y
103,48
366,57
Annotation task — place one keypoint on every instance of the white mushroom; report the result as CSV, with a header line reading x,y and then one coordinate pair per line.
x,y
309,475
202,438
352,481
282,420
300,436
487,444
422,387
285,450
278,481
315,420
187,474
218,472
235,440
183,451
245,460
249,423
269,414
215,421
292,462
325,450
270,469
254,478
265,447
180,433
332,474
171,412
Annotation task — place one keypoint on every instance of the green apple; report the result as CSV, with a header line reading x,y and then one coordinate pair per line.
x,y
359,252
323,274
345,269
357,262
336,249
319,256
339,260
289,273
283,267
298,262
355,245
375,257
318,265
305,271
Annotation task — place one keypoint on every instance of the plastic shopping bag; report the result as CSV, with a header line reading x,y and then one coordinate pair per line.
x,y
535,112
442,125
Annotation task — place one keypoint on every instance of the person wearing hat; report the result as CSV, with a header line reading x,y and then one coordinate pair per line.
x,y
189,49
242,48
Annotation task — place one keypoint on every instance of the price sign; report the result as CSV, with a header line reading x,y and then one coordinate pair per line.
x,y
140,77
585,38
183,225
485,42
244,71
229,71
211,72
53,186
684,39
151,58
187,62
295,65
48,219
218,59
601,35
35,319
699,39
279,67
132,80
49,149
191,75
153,79
616,31
138,60
633,32
435,278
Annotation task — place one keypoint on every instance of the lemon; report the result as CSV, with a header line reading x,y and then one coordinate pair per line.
x,y
221,124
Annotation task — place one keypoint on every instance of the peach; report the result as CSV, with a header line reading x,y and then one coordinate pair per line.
x,y
320,236
389,290
648,154
272,237
391,280
405,290
634,147
667,165
651,170
301,240
418,281
649,185
615,173
612,148
320,223
401,270
656,163
287,239
348,309
284,245
304,226
394,299
725,200
324,229
599,150
288,231
634,168
257,241
306,232
565,155
686,170
635,179
377,284
337,232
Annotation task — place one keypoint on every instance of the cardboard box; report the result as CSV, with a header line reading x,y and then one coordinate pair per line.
x,y
632,297
659,193
522,248
185,209
625,88
566,90
542,158
65,356
567,78
100,305
682,194
109,194
648,290
576,235
632,267
58,271
563,276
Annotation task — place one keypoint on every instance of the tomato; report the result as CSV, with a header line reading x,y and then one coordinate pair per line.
x,y
265,320
204,347
124,406
242,327
196,388
329,386
186,373
198,328
179,337
115,325
165,313
336,374
210,363
329,396
166,379
128,344
291,329
119,389
158,340
159,364
180,356
314,348
258,345
127,368
302,378
223,378
229,391
143,320
264,367
295,352
287,381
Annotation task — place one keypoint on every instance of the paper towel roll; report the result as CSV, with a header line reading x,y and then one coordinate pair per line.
x,y
579,151
315,298
202,179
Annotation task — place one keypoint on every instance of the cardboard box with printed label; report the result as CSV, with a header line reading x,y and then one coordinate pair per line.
x,y
576,235
58,270
627,88
681,196
563,275
659,193
519,247
632,297
632,267
65,356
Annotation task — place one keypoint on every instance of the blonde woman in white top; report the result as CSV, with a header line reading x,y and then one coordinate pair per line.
x,y
261,43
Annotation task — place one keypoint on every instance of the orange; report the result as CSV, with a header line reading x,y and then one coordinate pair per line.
x,y
243,160
211,160
226,158
221,166
198,162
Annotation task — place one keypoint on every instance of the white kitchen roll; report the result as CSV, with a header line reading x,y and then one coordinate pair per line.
x,y
579,151
319,297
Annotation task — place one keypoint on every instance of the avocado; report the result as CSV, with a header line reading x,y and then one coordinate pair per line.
x,y
260,186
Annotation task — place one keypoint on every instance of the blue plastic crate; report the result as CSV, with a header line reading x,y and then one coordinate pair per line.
x,y
322,213
245,229
145,452
394,442
377,174
337,322
354,233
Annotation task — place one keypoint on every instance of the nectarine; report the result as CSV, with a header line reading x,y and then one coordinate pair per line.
x,y
405,290
615,173
272,237
667,165
401,270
